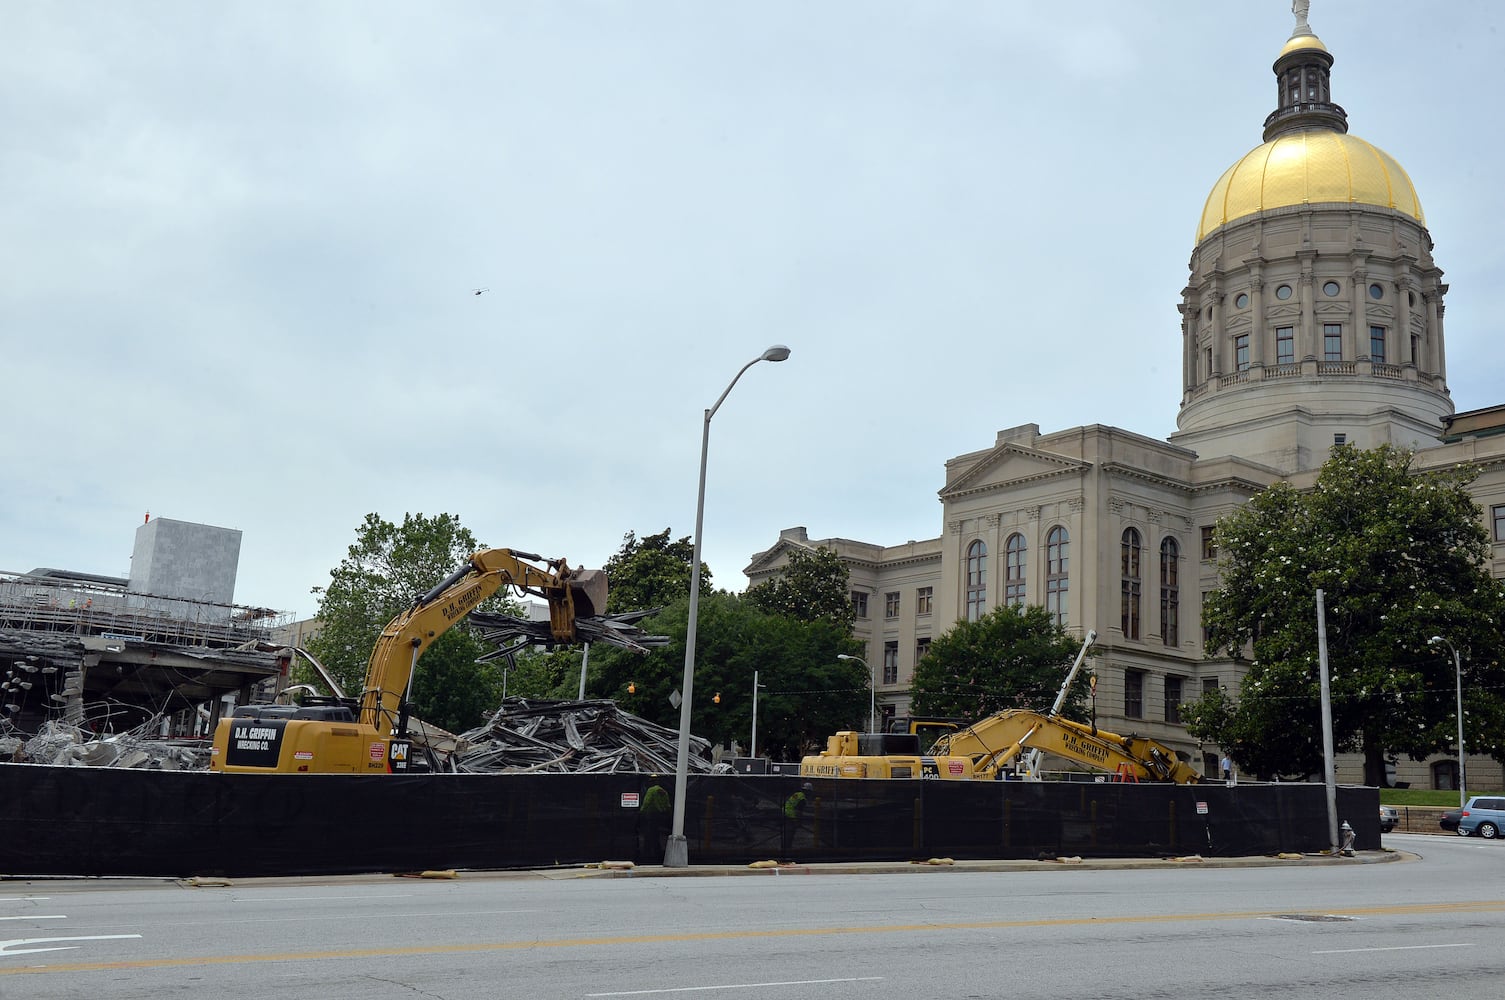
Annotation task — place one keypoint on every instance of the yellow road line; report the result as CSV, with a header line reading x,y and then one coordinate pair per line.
x,y
1487,906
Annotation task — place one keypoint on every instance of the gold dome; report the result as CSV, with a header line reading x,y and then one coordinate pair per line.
x,y
1299,42
1309,167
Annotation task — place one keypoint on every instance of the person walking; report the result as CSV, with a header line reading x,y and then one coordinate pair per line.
x,y
794,811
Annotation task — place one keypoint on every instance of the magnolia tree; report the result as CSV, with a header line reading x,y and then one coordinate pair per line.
x,y
1400,556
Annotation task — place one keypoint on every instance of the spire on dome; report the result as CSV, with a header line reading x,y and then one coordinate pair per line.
x,y
1303,78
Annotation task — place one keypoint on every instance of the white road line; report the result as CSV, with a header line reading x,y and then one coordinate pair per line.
x,y
8,948
304,899
738,986
1403,947
40,916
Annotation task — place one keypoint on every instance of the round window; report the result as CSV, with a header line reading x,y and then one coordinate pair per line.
x,y
1330,289
1411,299
1241,301
1376,292
1283,292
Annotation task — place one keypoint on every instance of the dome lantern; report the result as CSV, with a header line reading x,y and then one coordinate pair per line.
x,y
1303,79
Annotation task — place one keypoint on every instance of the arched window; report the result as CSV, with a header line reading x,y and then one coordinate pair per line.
x,y
1128,605
1013,579
1170,592
1057,578
977,580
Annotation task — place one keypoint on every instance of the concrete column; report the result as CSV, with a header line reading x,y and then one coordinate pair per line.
x,y
1309,346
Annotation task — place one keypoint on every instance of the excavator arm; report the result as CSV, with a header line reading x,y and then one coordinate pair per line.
x,y
571,595
997,741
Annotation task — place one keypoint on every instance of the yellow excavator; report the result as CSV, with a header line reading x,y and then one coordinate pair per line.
x,y
1007,744
996,748
370,735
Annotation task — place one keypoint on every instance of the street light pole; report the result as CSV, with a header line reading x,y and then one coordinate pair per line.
x,y
872,696
754,751
1458,676
676,849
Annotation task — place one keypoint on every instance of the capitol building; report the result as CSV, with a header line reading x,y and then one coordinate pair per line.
x,y
1313,315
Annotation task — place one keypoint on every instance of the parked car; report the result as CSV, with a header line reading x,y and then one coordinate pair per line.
x,y
1449,819
1389,816
1484,815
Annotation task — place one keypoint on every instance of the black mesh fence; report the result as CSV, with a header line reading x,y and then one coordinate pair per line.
x,y
102,821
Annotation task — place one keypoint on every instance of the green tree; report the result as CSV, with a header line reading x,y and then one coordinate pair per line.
x,y
1011,657
383,573
814,586
650,572
1400,556
806,695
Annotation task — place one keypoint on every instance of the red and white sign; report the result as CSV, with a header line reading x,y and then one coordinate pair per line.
x,y
629,800
1201,808
378,752
303,755
954,767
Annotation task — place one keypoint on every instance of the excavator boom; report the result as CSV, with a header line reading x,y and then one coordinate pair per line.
x,y
372,738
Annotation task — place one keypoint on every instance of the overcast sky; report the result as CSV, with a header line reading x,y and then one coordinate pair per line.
x,y
240,241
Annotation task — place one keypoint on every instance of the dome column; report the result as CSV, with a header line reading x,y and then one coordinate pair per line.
x,y
1260,335
1407,288
1309,345
1360,286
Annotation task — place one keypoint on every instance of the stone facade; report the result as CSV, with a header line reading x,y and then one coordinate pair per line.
x,y
1312,316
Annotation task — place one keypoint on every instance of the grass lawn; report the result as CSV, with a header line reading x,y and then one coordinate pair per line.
x,y
1425,797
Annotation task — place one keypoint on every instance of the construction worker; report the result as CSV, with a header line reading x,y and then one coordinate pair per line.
x,y
653,825
794,810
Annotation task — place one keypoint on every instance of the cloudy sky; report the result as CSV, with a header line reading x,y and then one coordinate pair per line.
x,y
240,241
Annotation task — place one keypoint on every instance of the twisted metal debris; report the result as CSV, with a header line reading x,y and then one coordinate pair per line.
x,y
596,737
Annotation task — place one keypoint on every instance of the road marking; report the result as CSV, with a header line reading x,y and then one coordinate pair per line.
x,y
304,899
1488,906
12,947
738,986
40,916
1402,947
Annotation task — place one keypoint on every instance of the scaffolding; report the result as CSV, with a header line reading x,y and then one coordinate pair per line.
x,y
75,607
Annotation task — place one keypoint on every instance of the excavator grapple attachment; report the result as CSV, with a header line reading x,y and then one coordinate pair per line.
x,y
588,591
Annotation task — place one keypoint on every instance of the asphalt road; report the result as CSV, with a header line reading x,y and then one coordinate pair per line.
x,y
1429,922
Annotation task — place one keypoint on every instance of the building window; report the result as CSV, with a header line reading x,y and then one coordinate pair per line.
x,y
1134,694
1377,344
1332,341
1173,699
1285,345
921,649
1376,292
1331,289
1242,301
1207,363
1170,593
977,576
1209,685
890,663
1416,350
859,603
1013,581
1128,604
891,604
1283,292
1057,575
1209,543
1497,515
922,600
1241,352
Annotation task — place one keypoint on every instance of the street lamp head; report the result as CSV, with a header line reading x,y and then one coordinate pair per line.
x,y
1435,640
778,352
844,656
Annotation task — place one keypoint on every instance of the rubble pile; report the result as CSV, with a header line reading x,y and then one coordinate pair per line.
x,y
530,735
69,746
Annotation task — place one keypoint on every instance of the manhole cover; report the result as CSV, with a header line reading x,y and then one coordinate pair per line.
x,y
1315,918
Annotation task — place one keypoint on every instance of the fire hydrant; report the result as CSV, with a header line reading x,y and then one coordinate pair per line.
x,y
1345,836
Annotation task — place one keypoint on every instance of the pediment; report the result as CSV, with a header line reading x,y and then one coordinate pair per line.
x,y
771,557
1009,465
1283,311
